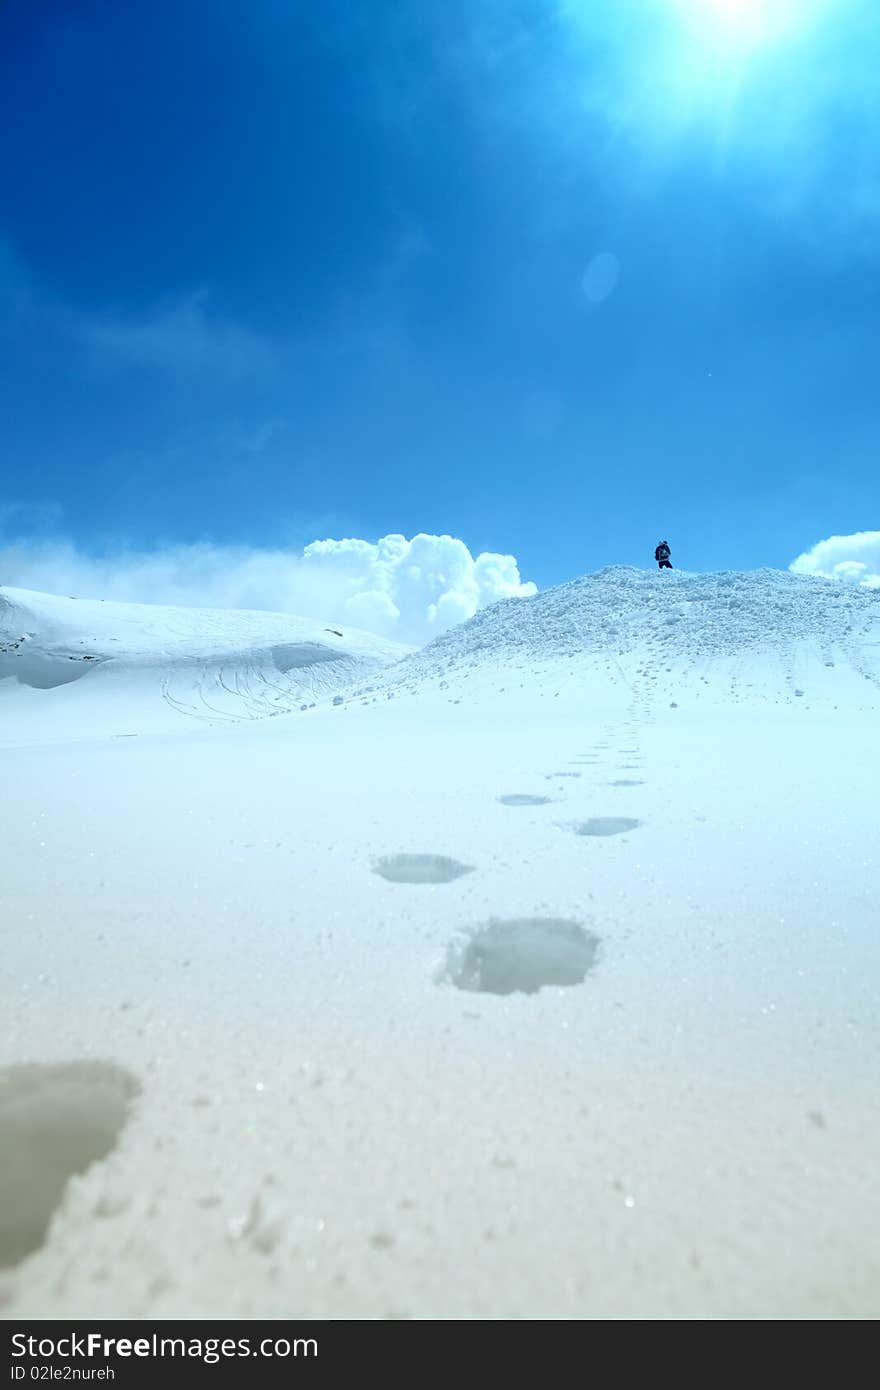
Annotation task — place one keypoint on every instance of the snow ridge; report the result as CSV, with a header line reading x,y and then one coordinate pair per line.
x,y
621,609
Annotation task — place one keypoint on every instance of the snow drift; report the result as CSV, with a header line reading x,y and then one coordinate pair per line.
x,y
171,665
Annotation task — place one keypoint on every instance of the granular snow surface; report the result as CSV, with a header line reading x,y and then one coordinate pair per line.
x,y
532,974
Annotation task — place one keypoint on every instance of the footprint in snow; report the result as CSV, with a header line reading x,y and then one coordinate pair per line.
x,y
420,868
55,1121
523,799
521,955
606,825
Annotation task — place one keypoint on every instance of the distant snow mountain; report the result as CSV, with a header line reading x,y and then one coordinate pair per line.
x,y
212,665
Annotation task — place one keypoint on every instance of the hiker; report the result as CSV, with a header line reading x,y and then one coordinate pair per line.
x,y
661,555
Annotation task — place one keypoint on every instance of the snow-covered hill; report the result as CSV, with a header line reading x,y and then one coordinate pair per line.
x,y
160,666
533,974
697,616
729,636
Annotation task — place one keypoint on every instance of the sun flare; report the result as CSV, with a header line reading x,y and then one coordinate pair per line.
x,y
742,24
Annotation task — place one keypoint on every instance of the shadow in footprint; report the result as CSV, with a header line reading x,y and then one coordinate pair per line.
x,y
522,956
606,825
626,782
523,799
420,868
54,1122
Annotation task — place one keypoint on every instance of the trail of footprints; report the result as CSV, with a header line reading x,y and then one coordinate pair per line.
x,y
57,1120
524,954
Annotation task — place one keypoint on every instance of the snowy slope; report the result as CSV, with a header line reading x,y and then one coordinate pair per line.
x,y
697,616
535,978
757,635
106,664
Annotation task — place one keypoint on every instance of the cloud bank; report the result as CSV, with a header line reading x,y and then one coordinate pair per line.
x,y
408,590
854,559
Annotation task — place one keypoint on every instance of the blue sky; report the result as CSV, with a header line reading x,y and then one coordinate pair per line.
x,y
555,278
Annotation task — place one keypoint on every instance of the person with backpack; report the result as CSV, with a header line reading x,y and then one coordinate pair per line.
x,y
661,555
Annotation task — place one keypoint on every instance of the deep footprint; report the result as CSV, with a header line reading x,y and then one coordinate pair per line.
x,y
420,868
522,956
55,1121
606,825
523,799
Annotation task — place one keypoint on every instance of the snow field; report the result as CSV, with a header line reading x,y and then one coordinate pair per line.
x,y
546,987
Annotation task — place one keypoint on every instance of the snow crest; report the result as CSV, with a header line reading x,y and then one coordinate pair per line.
x,y
621,609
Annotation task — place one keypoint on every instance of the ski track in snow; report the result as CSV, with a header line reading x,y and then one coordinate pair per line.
x,y
529,974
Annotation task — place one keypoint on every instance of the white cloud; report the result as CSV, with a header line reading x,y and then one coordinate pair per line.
x,y
854,559
409,590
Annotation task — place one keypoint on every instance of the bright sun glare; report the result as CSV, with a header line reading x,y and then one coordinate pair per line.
x,y
742,24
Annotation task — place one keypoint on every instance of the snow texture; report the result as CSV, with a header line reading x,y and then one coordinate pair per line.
x,y
530,974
